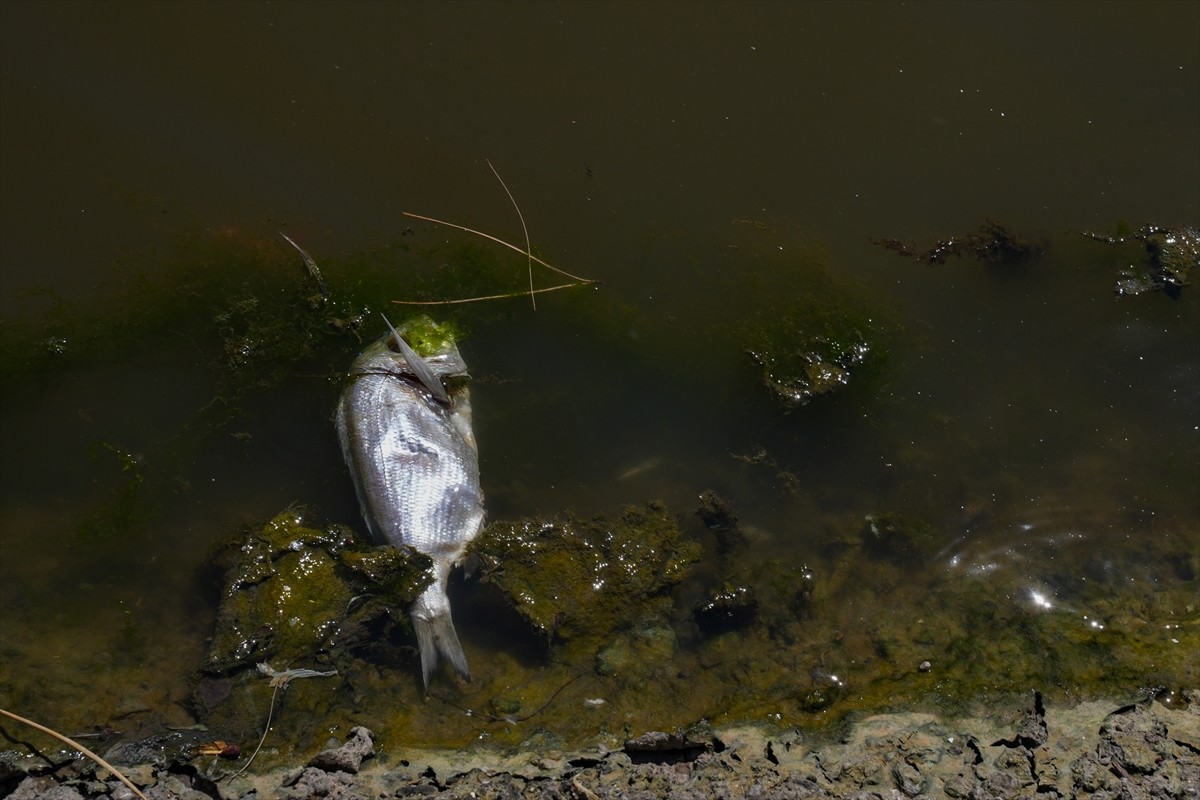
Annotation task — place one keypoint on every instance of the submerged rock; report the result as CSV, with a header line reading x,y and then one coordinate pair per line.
x,y
349,756
716,512
801,361
573,578
717,515
728,609
288,592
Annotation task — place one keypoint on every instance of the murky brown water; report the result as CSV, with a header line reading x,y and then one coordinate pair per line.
x,y
704,162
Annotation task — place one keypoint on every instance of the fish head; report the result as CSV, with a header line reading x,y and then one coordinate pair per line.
x,y
419,348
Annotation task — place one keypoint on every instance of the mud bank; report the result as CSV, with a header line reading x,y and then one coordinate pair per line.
x,y
1093,750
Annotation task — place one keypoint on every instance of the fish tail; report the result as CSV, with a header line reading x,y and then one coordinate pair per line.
x,y
436,636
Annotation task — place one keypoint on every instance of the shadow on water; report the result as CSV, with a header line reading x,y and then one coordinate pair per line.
x,y
1001,496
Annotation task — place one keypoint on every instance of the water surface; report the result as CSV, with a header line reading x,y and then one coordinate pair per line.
x,y
715,166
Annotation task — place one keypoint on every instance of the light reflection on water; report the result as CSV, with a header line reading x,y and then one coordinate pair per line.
x,y
1090,571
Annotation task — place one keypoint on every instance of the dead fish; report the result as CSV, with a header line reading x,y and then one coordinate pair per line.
x,y
408,442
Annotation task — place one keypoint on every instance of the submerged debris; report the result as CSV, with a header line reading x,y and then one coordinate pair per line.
x,y
1171,253
993,243
281,678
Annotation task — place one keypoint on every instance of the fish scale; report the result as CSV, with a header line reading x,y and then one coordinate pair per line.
x,y
416,471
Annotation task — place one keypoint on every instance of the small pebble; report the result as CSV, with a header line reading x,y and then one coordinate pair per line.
x,y
924,666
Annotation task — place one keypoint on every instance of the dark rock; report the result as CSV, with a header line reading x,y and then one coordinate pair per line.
x,y
908,779
576,579
210,692
288,590
174,787
315,782
349,756
43,788
158,751
1003,784
731,608
668,748
715,512
1134,740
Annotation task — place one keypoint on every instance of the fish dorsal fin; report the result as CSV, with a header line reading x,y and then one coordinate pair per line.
x,y
431,382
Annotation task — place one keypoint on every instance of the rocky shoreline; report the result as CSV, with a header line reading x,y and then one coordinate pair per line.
x,y
1092,750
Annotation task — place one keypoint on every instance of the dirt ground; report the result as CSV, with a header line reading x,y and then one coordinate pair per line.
x,y
1093,750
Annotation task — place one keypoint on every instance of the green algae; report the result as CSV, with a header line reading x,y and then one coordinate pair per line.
x,y
812,351
624,660
965,638
248,306
1171,253
239,317
577,582
816,649
427,337
288,593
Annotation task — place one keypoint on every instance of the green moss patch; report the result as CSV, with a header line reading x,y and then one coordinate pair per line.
x,y
577,581
294,592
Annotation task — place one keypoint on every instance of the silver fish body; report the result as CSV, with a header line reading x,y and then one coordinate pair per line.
x,y
415,467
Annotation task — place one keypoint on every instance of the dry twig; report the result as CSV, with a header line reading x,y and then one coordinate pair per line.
x,y
72,743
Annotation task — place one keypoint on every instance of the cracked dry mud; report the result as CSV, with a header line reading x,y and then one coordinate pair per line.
x,y
1094,750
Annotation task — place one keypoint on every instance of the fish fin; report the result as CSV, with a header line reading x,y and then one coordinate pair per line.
x,y
436,637
313,271
432,382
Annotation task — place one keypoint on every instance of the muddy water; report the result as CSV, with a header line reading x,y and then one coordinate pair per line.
x,y
713,166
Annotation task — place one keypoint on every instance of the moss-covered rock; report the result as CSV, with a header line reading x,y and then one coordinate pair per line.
x,y
288,592
810,353
577,581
